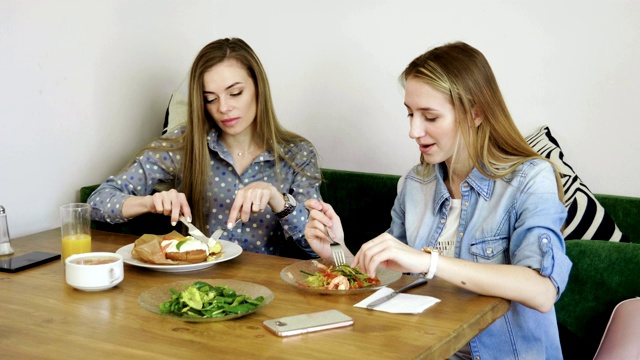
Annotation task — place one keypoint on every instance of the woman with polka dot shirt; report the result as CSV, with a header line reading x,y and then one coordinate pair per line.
x,y
231,160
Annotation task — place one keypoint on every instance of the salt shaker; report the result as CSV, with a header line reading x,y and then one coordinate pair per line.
x,y
5,240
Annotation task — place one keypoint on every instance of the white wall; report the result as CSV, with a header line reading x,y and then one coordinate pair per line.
x,y
85,83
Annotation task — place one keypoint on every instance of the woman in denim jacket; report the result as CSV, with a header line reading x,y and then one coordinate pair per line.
x,y
482,210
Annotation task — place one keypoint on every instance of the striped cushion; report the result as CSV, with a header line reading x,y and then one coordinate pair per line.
x,y
586,218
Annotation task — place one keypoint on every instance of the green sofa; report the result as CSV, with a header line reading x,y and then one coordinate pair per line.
x,y
603,274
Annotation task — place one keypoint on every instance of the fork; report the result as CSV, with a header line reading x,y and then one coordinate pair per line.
x,y
216,234
336,250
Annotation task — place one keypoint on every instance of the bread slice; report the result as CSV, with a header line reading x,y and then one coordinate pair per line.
x,y
187,250
191,256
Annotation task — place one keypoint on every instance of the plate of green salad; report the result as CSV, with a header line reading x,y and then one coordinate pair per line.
x,y
206,299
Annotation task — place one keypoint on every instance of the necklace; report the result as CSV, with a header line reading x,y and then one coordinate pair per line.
x,y
248,151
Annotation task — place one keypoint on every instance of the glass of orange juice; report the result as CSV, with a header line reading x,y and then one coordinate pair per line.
x,y
75,224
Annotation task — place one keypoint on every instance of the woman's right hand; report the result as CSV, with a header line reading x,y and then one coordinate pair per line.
x,y
170,203
321,217
390,253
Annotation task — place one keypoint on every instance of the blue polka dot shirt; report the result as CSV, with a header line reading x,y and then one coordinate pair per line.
x,y
264,233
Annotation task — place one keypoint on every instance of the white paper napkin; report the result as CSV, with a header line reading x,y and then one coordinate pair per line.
x,y
401,303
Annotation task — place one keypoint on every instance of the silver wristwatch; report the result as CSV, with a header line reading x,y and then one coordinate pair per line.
x,y
289,205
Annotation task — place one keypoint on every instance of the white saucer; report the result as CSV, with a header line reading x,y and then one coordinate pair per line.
x,y
97,288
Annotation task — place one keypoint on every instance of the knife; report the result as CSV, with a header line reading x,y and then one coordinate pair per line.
x,y
195,232
377,302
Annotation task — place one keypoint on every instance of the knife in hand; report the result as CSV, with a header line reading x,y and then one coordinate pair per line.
x,y
377,302
194,231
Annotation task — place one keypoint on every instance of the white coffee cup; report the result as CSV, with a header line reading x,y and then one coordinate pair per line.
x,y
94,271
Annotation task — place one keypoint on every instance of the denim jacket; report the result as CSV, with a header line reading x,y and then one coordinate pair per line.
x,y
514,220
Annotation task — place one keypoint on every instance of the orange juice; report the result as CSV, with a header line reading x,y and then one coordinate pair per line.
x,y
75,244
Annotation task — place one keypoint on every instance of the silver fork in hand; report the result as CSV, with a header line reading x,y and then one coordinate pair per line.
x,y
216,234
336,250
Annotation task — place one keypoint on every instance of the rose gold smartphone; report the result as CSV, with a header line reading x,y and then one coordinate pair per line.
x,y
305,323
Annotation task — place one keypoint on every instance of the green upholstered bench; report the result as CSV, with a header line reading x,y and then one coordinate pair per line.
x,y
604,273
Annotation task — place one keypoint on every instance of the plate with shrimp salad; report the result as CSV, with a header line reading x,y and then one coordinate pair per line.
x,y
325,278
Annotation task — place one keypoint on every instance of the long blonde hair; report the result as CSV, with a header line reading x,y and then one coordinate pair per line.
x,y
495,147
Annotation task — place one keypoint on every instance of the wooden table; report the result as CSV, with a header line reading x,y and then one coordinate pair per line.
x,y
43,317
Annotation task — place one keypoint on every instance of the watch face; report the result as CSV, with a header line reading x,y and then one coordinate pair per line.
x,y
290,200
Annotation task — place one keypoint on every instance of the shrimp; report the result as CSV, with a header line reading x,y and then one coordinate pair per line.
x,y
339,283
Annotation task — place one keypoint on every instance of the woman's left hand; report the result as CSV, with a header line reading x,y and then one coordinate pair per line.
x,y
390,253
254,198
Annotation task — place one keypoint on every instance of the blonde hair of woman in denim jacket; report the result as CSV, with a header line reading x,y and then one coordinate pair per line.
x,y
481,196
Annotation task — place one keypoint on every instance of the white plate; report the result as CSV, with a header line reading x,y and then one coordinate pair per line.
x,y
230,250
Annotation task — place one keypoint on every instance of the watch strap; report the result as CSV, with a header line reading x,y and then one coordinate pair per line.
x,y
289,206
